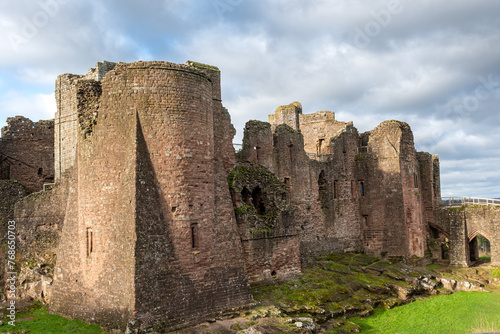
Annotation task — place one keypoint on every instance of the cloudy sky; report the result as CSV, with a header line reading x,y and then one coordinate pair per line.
x,y
433,64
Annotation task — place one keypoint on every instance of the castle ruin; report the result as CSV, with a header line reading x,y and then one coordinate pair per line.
x,y
155,223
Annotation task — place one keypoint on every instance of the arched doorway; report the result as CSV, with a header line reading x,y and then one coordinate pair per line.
x,y
479,248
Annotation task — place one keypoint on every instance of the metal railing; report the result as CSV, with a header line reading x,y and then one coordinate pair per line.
x,y
459,201
319,157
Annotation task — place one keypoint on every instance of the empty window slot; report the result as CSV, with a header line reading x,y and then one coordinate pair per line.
x,y
258,201
194,236
90,241
246,196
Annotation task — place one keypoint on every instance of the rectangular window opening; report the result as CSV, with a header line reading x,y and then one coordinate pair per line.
x,y
90,241
335,189
257,148
194,236
365,220
5,171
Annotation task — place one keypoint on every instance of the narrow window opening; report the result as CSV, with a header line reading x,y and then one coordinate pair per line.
x,y
323,190
258,201
319,146
40,171
365,220
257,149
5,171
194,236
290,151
336,189
362,188
246,196
90,241
344,144
415,180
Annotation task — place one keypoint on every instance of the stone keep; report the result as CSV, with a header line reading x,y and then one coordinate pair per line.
x,y
149,237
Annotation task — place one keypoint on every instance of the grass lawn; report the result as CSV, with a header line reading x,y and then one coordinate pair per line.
x,y
44,323
461,312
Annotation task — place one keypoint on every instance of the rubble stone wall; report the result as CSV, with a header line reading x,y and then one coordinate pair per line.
x,y
27,152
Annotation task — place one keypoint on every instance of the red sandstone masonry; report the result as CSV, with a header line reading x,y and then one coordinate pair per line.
x,y
367,187
26,152
154,239
147,179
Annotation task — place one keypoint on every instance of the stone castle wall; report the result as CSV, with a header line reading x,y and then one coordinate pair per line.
x,y
349,192
465,224
153,207
151,220
11,191
27,153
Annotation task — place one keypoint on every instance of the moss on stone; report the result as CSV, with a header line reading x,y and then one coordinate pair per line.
x,y
203,66
255,124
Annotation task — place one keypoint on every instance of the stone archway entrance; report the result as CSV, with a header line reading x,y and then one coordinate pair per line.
x,y
467,225
479,247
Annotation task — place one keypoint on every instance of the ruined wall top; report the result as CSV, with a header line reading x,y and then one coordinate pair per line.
x,y
20,127
100,70
319,116
287,114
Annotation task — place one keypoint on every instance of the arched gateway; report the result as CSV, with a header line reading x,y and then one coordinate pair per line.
x,y
467,219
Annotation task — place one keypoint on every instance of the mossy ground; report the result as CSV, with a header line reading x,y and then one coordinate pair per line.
x,y
340,293
39,321
462,312
343,285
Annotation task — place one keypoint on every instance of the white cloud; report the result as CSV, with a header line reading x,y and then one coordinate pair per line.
x,y
34,107
419,68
